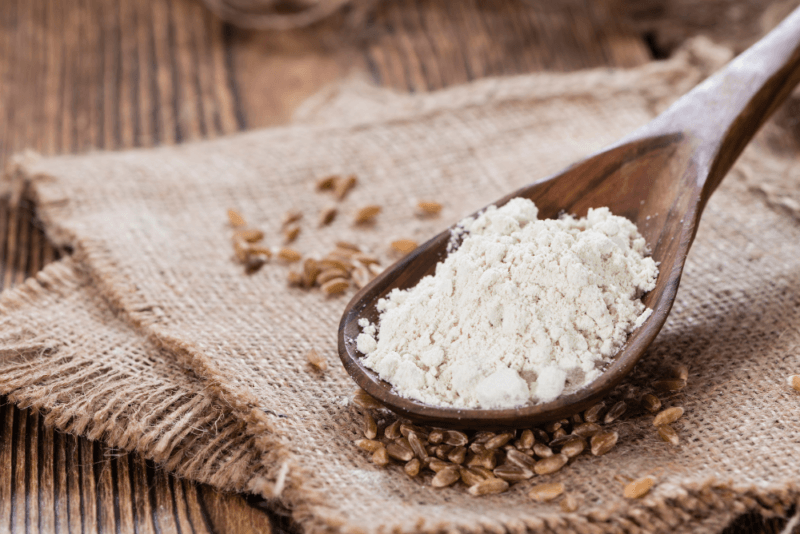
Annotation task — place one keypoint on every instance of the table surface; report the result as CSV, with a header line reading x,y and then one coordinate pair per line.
x,y
105,75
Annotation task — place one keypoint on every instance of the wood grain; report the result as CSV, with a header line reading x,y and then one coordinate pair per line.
x,y
102,74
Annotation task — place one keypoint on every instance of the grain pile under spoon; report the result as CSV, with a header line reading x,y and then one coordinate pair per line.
x,y
660,177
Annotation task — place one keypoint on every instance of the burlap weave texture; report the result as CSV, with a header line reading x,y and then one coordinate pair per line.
x,y
151,337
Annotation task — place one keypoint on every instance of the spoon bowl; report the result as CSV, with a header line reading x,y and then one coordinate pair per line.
x,y
660,177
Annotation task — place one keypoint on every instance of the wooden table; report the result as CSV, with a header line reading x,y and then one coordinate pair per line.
x,y
104,75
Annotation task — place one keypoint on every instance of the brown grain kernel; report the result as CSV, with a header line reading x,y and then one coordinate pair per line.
x,y
319,361
542,451
310,272
559,433
512,473
404,246
260,250
335,286
427,207
331,263
348,245
573,447
477,448
368,445
236,219
586,430
406,429
290,217
326,216
253,264
521,459
289,255
370,427
499,440
526,440
361,276
442,451
794,382
569,503
294,279
541,435
457,455
364,400
290,233
546,466
487,473
454,438
436,436
470,476
602,442
546,492
615,412
668,416
560,441
436,465
330,274
669,384
681,371
638,488
416,445
327,182
483,436
668,434
651,403
380,457
412,467
251,235
367,214
552,426
342,186
399,451
488,487
446,477
392,431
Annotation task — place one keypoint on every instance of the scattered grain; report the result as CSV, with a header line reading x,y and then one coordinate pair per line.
x,y
569,503
335,263
369,445
681,371
404,246
668,416
361,276
327,182
289,255
615,412
542,451
488,487
370,426
436,465
364,400
586,430
668,434
639,488
399,451
446,477
319,361
342,186
470,476
512,473
794,382
335,286
348,245
392,431
250,235
573,447
499,440
330,274
602,442
417,446
367,214
546,492
526,440
310,272
436,436
326,216
427,207
236,219
381,457
454,438
294,279
412,467
651,403
290,233
521,459
550,465
457,455
669,384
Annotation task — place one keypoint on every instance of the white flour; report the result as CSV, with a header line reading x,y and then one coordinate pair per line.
x,y
524,310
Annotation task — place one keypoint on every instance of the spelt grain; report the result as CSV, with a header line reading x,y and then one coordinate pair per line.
x,y
668,434
427,207
342,186
526,440
361,276
488,487
499,440
236,219
442,451
550,465
483,436
289,255
404,246
681,371
546,492
512,473
559,433
381,457
470,476
333,263
348,245
417,446
291,216
586,430
290,233
603,442
250,235
327,182
454,438
794,382
569,503
436,436
446,477
369,445
669,384
412,467
436,465
399,451
668,416
367,214
651,403
335,286
615,412
552,427
241,250
295,279
520,459
573,447
639,488
318,361
457,455
542,451
310,272
329,274
326,216
370,427
392,431
364,400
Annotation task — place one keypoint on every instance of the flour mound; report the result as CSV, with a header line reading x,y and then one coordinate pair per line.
x,y
524,310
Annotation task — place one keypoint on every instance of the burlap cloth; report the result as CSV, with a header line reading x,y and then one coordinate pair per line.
x,y
152,338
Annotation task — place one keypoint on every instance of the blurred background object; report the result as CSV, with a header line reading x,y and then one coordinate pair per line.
x,y
117,74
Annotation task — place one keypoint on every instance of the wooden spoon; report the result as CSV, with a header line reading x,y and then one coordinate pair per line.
x,y
660,177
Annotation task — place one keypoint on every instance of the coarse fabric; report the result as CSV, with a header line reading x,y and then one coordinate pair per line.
x,y
151,337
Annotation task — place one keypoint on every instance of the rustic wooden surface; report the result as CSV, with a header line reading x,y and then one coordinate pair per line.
x,y
102,74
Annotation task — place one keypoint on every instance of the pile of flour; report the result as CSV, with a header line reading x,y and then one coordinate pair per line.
x,y
523,311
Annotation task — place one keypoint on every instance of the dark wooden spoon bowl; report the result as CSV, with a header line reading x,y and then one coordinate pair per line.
x,y
660,177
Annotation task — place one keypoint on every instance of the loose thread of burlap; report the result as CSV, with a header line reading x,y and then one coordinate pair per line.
x,y
152,337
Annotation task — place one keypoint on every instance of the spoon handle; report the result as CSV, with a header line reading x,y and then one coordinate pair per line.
x,y
723,113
